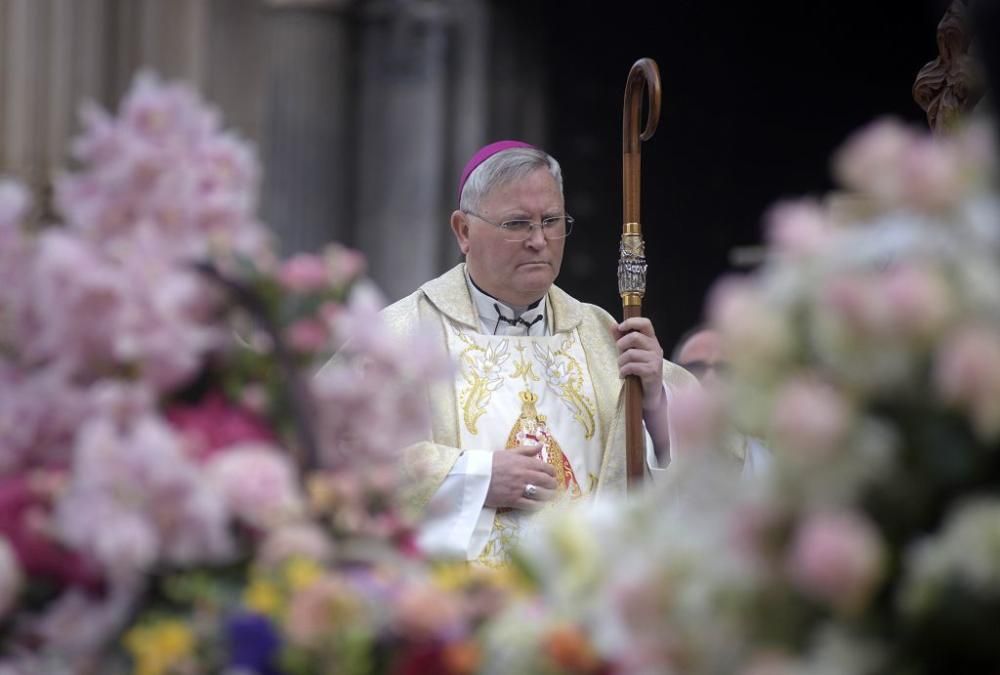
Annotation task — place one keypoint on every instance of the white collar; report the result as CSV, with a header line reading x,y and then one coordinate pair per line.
x,y
532,320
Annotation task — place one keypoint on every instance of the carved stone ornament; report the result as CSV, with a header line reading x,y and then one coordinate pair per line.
x,y
950,85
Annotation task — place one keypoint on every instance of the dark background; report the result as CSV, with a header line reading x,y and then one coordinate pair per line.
x,y
756,97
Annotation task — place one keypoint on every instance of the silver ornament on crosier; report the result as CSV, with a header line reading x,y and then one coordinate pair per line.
x,y
632,267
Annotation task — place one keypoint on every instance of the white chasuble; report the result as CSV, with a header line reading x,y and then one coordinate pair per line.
x,y
518,390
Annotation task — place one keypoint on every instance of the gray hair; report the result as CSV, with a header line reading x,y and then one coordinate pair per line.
x,y
503,168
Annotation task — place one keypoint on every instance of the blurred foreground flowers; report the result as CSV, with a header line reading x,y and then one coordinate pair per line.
x,y
161,431
866,354
179,495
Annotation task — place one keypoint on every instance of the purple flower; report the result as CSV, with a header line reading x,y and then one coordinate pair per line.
x,y
254,643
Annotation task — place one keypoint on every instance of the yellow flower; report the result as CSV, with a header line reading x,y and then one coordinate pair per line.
x,y
452,576
159,646
262,596
302,572
462,576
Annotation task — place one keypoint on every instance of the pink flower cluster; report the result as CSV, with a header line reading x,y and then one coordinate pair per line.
x,y
837,558
967,375
91,311
213,425
161,187
163,168
901,167
112,293
258,483
134,499
335,269
372,400
106,326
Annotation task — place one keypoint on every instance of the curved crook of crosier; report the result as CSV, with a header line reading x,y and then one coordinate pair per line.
x,y
644,74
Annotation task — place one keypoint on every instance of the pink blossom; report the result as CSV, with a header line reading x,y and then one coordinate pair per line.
x,y
756,334
255,399
932,173
918,301
93,313
860,303
361,500
296,540
40,411
967,374
25,517
810,418
77,300
11,577
345,265
166,114
330,312
977,143
122,401
837,557
422,612
871,159
359,323
135,499
15,202
304,273
900,167
164,163
771,663
79,625
320,608
372,399
169,325
258,484
799,228
753,528
213,424
308,335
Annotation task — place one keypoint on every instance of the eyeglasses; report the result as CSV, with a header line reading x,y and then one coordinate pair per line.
x,y
700,368
554,227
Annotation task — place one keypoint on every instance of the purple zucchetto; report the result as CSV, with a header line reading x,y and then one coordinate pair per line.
x,y
483,154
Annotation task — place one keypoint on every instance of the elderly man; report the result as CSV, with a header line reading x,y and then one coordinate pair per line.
x,y
700,352
535,411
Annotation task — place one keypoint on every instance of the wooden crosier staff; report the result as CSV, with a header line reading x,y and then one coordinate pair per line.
x,y
632,260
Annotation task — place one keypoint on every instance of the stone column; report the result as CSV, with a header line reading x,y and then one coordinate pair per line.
x,y
404,141
170,38
54,54
469,106
309,114
235,67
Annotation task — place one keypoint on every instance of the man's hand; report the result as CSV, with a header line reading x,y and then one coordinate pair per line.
x,y
515,469
640,354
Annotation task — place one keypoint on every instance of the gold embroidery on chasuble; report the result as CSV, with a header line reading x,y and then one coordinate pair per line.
x,y
517,391
482,369
564,375
531,429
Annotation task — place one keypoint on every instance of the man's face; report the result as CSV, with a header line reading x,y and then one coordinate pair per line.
x,y
518,273
702,355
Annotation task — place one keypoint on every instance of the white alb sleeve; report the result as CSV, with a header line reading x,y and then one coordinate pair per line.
x,y
657,472
453,522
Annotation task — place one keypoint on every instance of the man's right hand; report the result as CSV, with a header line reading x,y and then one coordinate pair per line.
x,y
513,470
